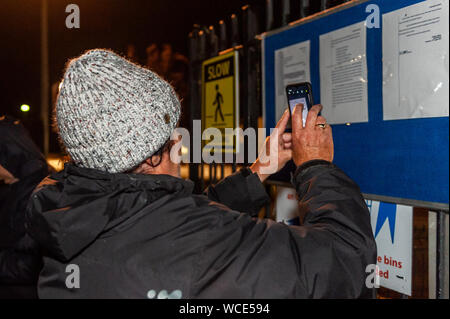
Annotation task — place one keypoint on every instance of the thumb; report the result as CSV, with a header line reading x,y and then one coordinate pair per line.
x,y
297,118
282,123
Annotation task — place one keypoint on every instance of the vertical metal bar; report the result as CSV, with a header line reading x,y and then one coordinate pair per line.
x,y
374,293
235,40
440,255
432,254
213,42
223,44
202,53
244,76
45,77
213,50
285,12
269,25
196,55
314,6
251,64
234,30
207,43
445,257
193,167
304,8
223,40
295,8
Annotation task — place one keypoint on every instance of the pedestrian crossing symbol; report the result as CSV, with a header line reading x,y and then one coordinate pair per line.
x,y
220,98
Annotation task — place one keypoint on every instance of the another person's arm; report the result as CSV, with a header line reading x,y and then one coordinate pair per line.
x,y
243,191
21,264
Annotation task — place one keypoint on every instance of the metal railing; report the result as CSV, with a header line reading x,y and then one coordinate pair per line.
x,y
239,32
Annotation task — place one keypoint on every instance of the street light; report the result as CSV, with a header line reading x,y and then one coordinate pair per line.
x,y
24,107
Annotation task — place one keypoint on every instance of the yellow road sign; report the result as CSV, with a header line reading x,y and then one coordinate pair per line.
x,y
220,99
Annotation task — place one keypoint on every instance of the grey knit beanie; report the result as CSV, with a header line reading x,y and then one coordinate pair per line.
x,y
113,114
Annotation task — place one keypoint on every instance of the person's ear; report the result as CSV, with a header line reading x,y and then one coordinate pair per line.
x,y
154,160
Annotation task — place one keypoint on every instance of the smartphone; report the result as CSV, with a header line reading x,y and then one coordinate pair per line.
x,y
299,93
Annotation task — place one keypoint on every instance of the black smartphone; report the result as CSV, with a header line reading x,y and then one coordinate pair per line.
x,y
299,93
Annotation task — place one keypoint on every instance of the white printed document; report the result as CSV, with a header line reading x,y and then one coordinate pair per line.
x,y
343,75
291,66
415,61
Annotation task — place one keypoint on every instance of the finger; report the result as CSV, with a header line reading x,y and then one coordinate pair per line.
x,y
312,116
297,118
326,133
329,131
281,125
321,123
287,146
321,120
287,137
288,154
329,136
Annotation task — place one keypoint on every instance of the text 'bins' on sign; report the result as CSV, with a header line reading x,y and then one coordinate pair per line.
x,y
392,227
220,100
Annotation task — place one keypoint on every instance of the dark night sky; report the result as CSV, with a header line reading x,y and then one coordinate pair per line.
x,y
104,23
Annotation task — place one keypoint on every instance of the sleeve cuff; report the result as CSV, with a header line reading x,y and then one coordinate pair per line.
x,y
302,169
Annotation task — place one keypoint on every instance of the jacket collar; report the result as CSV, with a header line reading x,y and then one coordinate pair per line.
x,y
147,181
70,209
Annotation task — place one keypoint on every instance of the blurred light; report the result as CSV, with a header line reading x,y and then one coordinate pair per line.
x,y
56,162
227,171
184,171
24,107
59,86
348,124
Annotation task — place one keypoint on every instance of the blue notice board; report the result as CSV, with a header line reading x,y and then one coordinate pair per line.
x,y
404,159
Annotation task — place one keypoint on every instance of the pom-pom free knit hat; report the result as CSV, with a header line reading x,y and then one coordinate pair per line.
x,y
112,114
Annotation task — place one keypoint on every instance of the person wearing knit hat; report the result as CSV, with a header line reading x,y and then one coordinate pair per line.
x,y
119,222
113,114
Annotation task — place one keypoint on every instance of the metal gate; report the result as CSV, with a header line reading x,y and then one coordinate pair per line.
x,y
239,32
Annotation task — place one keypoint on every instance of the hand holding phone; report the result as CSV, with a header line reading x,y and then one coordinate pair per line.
x,y
314,141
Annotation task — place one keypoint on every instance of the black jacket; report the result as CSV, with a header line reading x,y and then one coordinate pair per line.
x,y
139,236
20,261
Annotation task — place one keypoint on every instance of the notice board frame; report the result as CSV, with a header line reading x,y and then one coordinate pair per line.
x,y
398,161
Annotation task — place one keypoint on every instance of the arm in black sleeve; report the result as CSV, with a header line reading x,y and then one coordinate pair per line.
x,y
326,257
242,191
337,222
20,264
